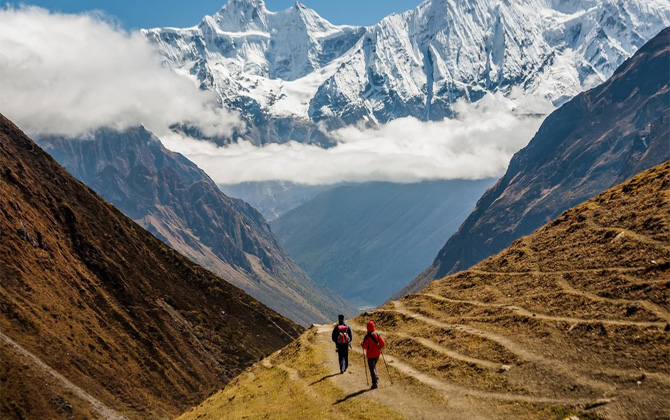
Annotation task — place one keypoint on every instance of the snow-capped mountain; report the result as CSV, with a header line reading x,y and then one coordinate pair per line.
x,y
290,72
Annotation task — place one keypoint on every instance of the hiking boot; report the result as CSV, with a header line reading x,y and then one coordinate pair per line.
x,y
374,386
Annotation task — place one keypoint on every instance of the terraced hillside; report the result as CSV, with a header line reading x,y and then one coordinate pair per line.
x,y
572,320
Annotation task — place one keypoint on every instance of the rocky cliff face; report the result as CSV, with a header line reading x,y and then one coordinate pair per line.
x,y
288,71
177,202
598,139
138,329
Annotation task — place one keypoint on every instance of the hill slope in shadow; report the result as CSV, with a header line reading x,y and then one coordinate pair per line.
x,y
97,315
176,201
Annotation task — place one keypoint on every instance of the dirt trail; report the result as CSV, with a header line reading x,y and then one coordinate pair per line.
x,y
539,272
628,233
525,312
660,312
460,401
439,348
400,396
517,348
455,355
104,411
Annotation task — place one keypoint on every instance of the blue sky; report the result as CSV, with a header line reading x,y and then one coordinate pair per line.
x,y
133,14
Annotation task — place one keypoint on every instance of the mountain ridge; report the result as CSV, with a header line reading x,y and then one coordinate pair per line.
x,y
177,202
417,63
599,138
101,301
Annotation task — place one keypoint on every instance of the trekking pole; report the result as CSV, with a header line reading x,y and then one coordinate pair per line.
x,y
365,366
387,367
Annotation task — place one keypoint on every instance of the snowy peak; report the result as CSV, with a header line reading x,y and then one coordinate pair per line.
x,y
242,16
289,72
252,15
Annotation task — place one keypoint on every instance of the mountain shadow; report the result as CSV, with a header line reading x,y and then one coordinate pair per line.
x,y
98,317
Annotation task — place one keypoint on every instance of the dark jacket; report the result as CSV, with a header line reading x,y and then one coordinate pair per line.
x,y
336,333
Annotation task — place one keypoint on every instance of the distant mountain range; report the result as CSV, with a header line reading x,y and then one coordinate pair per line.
x,y
292,73
98,318
600,138
365,241
177,202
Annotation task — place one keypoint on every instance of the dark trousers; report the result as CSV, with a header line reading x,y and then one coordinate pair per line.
x,y
343,355
372,364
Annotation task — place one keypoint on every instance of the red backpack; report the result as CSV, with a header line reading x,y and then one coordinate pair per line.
x,y
343,337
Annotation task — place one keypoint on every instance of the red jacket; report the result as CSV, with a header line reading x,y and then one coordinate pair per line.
x,y
373,343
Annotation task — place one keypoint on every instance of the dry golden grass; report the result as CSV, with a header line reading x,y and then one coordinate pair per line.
x,y
569,321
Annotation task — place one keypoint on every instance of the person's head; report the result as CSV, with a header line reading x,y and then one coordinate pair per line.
x,y
340,319
371,326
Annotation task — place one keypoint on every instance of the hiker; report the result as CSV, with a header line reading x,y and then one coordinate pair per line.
x,y
342,337
373,344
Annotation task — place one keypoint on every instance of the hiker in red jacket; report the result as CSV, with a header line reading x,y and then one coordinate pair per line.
x,y
373,344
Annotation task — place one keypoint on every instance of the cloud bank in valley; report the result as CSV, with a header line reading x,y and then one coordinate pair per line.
x,y
70,74
477,144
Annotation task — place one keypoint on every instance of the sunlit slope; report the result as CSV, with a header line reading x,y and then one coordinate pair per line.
x,y
570,320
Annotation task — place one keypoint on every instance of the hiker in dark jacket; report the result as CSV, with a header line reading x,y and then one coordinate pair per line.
x,y
342,336
373,343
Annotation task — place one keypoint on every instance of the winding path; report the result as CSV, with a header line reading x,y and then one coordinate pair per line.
x,y
100,408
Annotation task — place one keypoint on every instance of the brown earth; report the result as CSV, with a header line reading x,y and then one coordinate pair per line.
x,y
98,318
572,321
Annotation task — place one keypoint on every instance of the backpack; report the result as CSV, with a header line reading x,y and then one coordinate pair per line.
x,y
342,337
373,336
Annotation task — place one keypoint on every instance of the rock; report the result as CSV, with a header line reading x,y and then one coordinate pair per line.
x,y
504,368
633,308
619,237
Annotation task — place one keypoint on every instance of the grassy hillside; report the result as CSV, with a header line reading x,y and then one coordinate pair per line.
x,y
572,320
98,318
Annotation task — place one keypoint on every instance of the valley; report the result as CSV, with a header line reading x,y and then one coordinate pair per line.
x,y
508,337
191,207
365,241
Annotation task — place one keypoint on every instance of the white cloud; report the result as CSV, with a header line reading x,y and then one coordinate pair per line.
x,y
69,74
477,144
